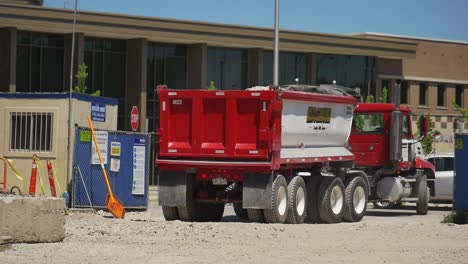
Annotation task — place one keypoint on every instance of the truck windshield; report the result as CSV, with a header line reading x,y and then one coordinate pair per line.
x,y
368,123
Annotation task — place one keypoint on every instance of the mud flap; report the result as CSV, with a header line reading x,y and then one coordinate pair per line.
x,y
256,192
173,188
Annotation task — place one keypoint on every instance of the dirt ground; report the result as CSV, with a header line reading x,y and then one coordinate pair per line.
x,y
396,236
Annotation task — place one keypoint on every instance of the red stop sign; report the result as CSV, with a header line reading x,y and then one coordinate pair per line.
x,y
134,117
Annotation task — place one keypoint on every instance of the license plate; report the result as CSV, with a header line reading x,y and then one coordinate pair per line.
x,y
219,181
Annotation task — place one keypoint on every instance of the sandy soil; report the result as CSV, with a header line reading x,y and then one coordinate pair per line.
x,y
144,237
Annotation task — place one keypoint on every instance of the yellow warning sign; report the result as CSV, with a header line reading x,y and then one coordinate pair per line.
x,y
319,115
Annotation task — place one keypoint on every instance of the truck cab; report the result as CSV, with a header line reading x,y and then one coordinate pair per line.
x,y
370,133
383,144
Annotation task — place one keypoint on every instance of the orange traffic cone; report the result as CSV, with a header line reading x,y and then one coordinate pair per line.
x,y
32,182
51,178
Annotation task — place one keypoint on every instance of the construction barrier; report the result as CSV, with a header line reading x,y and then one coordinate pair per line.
x,y
126,159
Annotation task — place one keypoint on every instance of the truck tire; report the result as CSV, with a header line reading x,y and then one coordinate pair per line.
x,y
240,212
170,213
297,201
188,213
422,205
256,215
279,202
356,194
313,184
331,198
209,212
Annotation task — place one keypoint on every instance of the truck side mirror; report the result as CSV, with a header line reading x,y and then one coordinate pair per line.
x,y
423,126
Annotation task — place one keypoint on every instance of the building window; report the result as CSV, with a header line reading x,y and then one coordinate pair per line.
x,y
441,95
422,93
346,70
31,131
106,61
227,68
459,95
404,92
39,62
291,66
167,64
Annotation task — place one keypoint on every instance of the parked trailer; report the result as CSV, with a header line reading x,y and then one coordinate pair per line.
x,y
277,155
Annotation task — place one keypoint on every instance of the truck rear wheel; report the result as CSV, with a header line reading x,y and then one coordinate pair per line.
x,y
170,213
297,201
313,185
355,199
422,205
187,213
331,197
240,212
279,202
256,215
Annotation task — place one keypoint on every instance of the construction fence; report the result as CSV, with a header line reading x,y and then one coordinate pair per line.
x,y
126,157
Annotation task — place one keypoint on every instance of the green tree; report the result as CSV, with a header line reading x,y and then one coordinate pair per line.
x,y
81,76
370,99
462,111
212,86
384,97
427,142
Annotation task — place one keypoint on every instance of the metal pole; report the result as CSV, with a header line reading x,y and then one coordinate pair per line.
x,y
276,52
70,121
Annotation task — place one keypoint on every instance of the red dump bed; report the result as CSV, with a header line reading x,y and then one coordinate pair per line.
x,y
224,125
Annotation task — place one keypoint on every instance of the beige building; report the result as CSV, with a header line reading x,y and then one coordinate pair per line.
x,y
127,56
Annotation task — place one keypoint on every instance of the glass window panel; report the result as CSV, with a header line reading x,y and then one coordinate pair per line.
x,y
368,123
440,95
88,60
404,92
39,62
114,75
23,38
52,65
98,76
422,93
35,85
291,66
459,95
351,71
22,68
175,72
449,164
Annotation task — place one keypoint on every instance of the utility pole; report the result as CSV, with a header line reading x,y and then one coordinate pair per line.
x,y
70,116
276,51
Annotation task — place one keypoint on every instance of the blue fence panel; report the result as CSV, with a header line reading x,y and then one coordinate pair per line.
x,y
122,182
460,201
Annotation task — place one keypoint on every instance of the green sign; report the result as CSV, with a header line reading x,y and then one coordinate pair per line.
x,y
85,136
459,144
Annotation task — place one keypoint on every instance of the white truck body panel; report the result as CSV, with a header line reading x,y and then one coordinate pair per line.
x,y
311,129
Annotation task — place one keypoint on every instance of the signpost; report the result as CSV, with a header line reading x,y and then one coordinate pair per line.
x,y
134,118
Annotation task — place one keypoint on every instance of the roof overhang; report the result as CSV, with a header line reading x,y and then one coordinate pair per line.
x,y
94,24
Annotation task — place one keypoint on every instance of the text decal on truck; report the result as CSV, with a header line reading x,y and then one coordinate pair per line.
x,y
319,117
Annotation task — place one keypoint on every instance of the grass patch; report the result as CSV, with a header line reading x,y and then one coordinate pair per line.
x,y
459,218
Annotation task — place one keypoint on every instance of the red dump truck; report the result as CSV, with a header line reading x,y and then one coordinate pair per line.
x,y
278,154
292,154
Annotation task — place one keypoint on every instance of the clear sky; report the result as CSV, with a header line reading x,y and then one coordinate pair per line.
x,y
445,19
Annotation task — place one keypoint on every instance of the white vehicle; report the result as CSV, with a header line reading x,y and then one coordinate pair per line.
x,y
442,187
